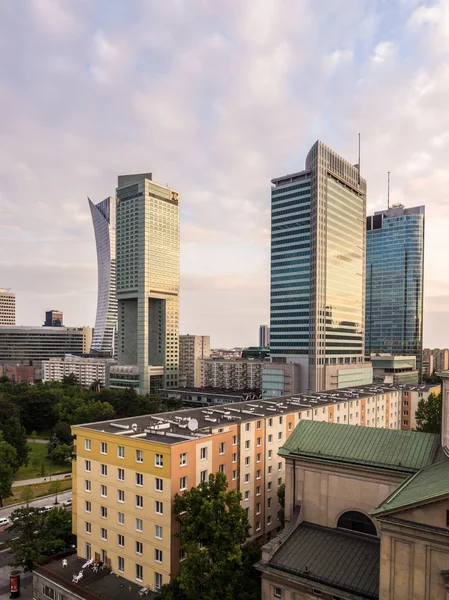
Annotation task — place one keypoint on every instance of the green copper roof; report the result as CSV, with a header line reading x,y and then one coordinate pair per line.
x,y
405,451
430,483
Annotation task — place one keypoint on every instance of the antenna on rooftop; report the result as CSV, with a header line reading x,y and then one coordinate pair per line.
x,y
388,191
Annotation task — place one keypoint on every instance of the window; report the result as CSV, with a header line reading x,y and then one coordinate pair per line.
x,y
405,422
258,490
279,481
121,451
121,474
280,435
157,581
269,520
88,528
247,461
121,518
270,453
157,555
247,512
269,503
120,496
258,474
247,478
103,448
269,486
281,420
120,564
104,470
234,440
222,468
270,438
203,453
104,533
87,466
259,441
139,572
158,532
279,466
203,476
158,484
247,426
158,507
277,592
87,506
405,413
183,459
259,457
158,460
270,469
234,474
270,422
104,491
290,426
120,540
183,483
247,444
258,526
246,495
357,521
87,485
182,554
139,479
104,512
259,424
222,449
139,501
87,445
258,508
48,591
316,592
139,456
139,548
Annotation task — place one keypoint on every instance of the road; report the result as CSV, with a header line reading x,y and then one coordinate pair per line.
x,y
41,479
6,512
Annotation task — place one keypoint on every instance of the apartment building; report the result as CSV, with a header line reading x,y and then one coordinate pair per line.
x,y
235,374
7,307
439,360
86,370
192,348
127,471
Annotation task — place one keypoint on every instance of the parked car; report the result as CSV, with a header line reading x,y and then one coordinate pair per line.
x,y
67,502
4,521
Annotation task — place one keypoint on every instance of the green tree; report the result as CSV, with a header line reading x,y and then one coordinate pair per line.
x,y
55,488
61,453
432,378
13,432
62,434
281,498
56,532
27,494
25,544
8,460
213,529
428,414
33,435
69,379
4,379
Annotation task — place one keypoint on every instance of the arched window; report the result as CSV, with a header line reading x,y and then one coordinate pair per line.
x,y
356,521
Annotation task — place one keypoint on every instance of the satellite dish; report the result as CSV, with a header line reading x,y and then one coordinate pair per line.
x,y
192,424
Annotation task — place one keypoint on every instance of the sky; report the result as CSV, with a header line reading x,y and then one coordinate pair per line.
x,y
215,98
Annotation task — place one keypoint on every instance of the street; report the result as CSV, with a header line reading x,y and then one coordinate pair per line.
x,y
6,512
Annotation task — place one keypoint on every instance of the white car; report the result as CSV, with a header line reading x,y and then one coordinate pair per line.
x,y
67,502
4,521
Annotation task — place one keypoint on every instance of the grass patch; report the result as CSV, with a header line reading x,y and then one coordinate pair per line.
x,y
39,489
39,465
42,435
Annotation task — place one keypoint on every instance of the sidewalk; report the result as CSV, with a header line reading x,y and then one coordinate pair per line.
x,y
42,479
36,441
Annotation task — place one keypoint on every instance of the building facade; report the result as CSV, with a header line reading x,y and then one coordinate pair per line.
x,y
7,307
86,370
394,282
53,318
436,359
22,343
147,252
264,335
192,348
318,266
394,369
236,374
280,379
105,332
18,373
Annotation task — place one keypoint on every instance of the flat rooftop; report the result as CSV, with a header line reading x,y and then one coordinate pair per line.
x,y
186,424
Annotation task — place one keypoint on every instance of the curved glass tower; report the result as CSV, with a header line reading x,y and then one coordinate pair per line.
x,y
103,217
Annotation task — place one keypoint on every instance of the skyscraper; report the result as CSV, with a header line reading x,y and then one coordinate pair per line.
x,y
7,307
103,218
318,270
148,280
394,282
264,335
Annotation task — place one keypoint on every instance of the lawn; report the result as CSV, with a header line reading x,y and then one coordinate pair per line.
x,y
39,465
39,489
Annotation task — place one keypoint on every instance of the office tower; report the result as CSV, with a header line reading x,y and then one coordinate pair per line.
x,y
21,343
436,359
103,218
394,282
318,271
7,307
264,335
148,280
191,349
53,318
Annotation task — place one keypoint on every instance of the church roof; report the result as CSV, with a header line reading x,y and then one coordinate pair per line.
x,y
390,449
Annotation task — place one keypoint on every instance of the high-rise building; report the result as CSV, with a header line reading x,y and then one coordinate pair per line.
x,y
53,318
103,218
318,270
264,335
148,280
394,282
21,343
436,359
7,307
192,348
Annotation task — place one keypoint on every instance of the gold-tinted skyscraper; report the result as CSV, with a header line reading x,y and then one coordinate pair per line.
x,y
148,280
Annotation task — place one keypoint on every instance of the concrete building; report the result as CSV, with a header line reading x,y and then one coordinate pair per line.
x,y
394,282
7,307
318,266
86,370
257,352
427,363
280,379
191,397
439,360
54,318
234,374
264,335
18,373
192,348
148,278
105,331
22,343
394,369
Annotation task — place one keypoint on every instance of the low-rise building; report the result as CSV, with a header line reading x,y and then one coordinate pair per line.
x,y
388,368
236,374
22,343
208,396
257,352
86,370
19,373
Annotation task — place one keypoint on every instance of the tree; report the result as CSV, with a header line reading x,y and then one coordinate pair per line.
x,y
13,432
56,532
55,488
213,529
4,379
61,453
25,544
8,460
62,434
431,378
33,435
70,379
281,498
27,494
428,414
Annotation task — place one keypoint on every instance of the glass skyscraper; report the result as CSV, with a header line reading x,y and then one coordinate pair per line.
x,y
103,218
394,282
318,266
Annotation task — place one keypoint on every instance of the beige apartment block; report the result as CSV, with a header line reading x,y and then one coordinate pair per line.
x,y
7,307
192,348
239,374
440,358
86,370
